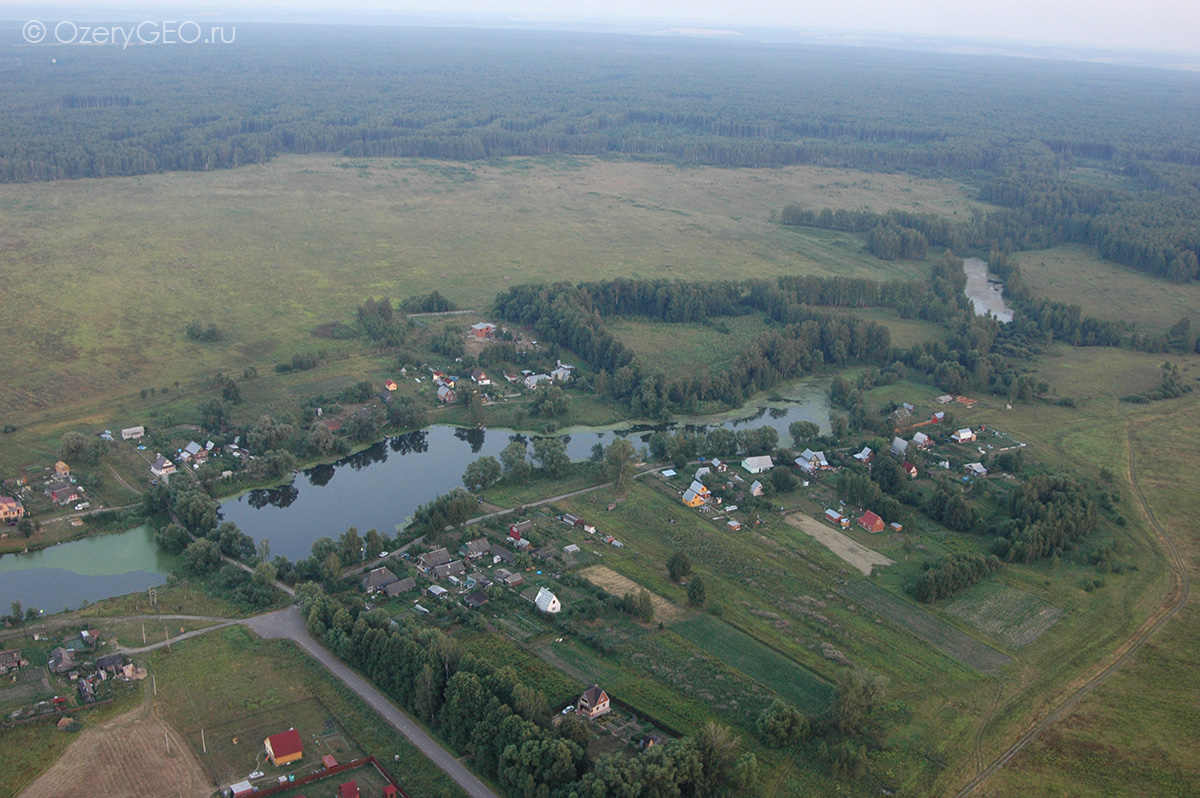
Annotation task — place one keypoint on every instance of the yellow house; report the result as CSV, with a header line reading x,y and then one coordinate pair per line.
x,y
693,499
284,747
62,469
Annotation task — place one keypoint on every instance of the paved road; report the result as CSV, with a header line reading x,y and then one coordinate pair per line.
x,y
289,624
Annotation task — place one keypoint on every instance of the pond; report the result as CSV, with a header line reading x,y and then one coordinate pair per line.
x,y
380,487
63,576
986,296
377,488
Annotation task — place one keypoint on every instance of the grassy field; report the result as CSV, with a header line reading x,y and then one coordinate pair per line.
x,y
268,252
233,684
1073,274
676,349
765,666
1142,725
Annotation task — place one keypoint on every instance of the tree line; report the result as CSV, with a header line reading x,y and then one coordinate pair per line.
x,y
488,713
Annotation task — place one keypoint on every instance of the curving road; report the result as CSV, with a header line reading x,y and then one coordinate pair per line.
x,y
1171,606
289,624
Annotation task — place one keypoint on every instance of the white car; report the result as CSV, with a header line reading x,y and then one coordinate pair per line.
x,y
383,554
82,506
570,708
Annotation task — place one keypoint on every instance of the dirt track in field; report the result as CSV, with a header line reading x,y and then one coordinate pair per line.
x,y
125,758
612,582
844,546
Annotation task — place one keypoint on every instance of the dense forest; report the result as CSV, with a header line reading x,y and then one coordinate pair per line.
x,y
1070,152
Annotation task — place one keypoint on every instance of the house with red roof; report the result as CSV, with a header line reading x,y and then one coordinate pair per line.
x,y
284,748
870,522
348,790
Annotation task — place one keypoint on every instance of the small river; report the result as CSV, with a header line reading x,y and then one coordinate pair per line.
x,y
986,296
377,488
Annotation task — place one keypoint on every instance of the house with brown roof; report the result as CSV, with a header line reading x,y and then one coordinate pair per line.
x,y
284,748
870,522
507,578
475,549
62,469
909,469
432,559
502,555
378,579
593,703
61,660
10,660
64,494
400,587
447,570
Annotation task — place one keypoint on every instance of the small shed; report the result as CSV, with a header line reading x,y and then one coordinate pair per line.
x,y
834,517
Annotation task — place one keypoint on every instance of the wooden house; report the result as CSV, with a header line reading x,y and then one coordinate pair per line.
x,y
284,748
871,522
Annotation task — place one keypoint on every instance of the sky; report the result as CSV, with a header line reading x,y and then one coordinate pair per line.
x,y
1171,26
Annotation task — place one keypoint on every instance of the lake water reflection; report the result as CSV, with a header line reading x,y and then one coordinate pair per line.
x,y
380,487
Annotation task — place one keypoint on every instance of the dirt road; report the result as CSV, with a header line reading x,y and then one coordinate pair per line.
x,y
1174,602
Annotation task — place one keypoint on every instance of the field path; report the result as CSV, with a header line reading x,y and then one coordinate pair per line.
x,y
1172,604
849,549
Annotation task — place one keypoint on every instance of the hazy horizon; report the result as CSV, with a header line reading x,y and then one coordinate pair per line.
x,y
1159,26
